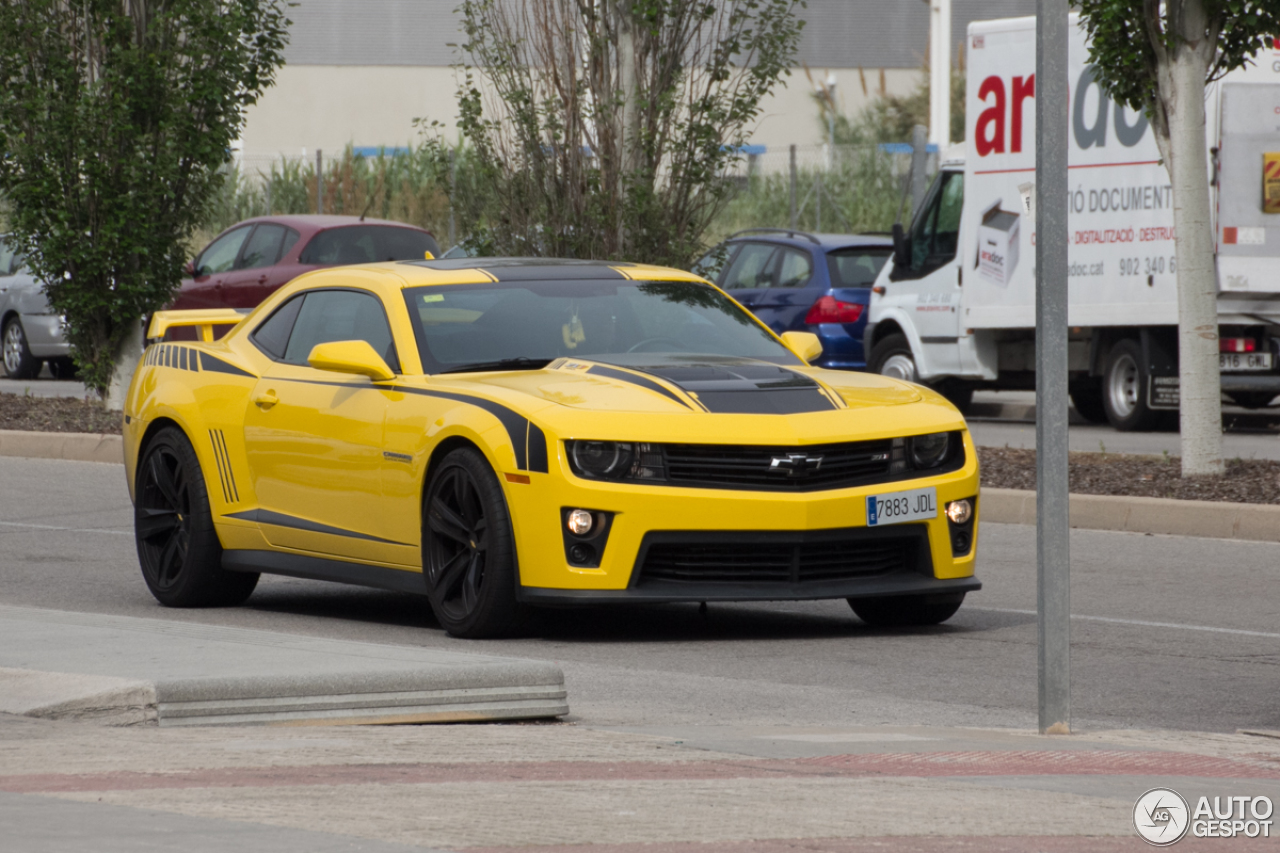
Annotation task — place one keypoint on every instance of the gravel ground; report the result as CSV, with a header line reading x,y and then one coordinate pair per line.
x,y
56,414
1250,481
1253,481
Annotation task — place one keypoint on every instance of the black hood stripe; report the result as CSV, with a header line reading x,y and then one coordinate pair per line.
x,y
636,379
743,386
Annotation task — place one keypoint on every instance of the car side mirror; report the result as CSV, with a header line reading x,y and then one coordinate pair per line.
x,y
901,247
804,344
355,357
190,269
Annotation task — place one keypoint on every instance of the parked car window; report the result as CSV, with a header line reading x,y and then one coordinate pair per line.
x,y
263,248
795,268
7,259
710,264
272,337
290,237
221,254
750,268
364,244
856,267
341,315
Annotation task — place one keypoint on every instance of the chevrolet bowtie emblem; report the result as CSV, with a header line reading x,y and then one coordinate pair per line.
x,y
795,464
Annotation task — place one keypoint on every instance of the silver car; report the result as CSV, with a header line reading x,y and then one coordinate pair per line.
x,y
29,330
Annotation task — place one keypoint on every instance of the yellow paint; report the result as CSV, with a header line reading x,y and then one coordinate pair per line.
x,y
338,449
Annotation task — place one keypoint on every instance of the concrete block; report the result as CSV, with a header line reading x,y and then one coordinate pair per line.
x,y
76,446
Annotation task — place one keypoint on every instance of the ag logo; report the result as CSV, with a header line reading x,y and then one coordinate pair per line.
x,y
1161,816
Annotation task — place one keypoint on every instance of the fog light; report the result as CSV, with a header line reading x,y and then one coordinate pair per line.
x,y
581,554
580,522
960,511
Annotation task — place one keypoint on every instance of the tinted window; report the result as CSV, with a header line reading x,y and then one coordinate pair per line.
x,y
604,320
340,315
365,244
795,268
220,255
273,335
856,267
751,268
263,248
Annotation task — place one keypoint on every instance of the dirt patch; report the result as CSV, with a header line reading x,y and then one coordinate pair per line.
x,y
1246,481
56,414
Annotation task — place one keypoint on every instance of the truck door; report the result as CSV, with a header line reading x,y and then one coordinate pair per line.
x,y
927,290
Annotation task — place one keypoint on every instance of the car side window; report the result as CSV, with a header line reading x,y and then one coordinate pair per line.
x,y
366,244
272,337
856,267
220,255
795,268
341,315
290,238
263,248
751,268
710,264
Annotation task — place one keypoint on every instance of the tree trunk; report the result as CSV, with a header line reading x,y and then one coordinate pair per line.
x,y
1182,86
628,88
126,363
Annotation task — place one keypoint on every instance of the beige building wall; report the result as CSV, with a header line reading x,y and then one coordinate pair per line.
x,y
332,106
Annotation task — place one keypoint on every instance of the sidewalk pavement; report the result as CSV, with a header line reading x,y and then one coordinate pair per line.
x,y
122,670
565,787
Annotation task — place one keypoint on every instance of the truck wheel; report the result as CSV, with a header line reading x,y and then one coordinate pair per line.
x,y
892,356
19,363
1124,389
1088,402
1251,399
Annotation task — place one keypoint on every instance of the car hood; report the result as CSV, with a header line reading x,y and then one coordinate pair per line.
x,y
693,384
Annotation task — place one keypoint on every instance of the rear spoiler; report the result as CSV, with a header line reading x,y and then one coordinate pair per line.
x,y
205,318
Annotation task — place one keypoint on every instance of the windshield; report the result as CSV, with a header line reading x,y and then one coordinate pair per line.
x,y
526,324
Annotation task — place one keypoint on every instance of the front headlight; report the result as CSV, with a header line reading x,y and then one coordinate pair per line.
x,y
930,451
615,460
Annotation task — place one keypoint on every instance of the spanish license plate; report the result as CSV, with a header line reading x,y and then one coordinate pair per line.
x,y
1244,361
897,507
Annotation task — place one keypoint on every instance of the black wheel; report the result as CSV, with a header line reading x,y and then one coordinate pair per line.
x,y
1087,398
903,610
178,548
1124,389
19,363
469,557
891,356
1251,399
63,368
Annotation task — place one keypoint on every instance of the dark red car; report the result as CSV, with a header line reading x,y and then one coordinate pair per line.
x,y
248,261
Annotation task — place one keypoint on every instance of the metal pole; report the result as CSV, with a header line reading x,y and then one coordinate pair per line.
x,y
319,182
794,213
1053,559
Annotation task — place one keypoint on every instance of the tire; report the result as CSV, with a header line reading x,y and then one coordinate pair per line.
x,y
468,550
906,610
1251,399
19,363
63,368
178,548
1088,402
1124,387
892,356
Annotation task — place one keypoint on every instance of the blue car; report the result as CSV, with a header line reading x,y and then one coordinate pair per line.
x,y
799,282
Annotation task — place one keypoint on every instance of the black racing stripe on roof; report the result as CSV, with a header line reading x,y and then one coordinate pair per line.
x,y
635,379
217,365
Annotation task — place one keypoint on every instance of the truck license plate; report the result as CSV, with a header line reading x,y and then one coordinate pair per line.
x,y
897,507
1244,361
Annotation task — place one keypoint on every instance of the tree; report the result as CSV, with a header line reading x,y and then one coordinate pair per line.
x,y
603,128
1158,57
891,118
115,116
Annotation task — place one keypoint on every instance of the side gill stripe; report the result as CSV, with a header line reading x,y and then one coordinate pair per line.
x,y
222,475
231,474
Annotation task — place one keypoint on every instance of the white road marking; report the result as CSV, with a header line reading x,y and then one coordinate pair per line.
x,y
1142,623
67,529
849,737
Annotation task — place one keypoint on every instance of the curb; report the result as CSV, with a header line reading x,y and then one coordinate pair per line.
x,y
1207,519
74,446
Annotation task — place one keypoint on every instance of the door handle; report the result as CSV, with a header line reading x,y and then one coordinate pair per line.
x,y
262,279
267,400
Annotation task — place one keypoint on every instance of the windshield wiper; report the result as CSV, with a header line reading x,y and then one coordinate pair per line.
x,y
521,363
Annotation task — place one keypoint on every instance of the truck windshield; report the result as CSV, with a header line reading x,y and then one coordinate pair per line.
x,y
528,323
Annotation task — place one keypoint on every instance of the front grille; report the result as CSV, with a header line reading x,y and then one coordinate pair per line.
x,y
776,558
748,466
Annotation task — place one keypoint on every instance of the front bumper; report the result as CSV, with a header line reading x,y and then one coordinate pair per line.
x,y
644,514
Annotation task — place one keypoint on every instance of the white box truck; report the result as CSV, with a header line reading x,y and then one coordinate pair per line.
x,y
955,308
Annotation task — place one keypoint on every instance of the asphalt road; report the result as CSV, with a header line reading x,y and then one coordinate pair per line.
x,y
1169,632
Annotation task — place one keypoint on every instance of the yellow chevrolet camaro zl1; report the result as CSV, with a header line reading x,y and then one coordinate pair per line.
x,y
503,433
